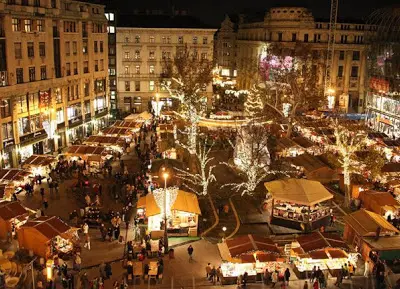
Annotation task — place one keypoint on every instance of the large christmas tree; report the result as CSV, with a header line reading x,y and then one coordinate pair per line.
x,y
253,105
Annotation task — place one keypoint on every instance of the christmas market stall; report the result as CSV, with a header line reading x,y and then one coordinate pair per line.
x,y
182,211
307,145
372,235
39,164
6,191
12,216
324,250
286,147
314,168
47,236
249,253
382,203
141,117
117,144
299,204
134,126
391,171
94,155
124,133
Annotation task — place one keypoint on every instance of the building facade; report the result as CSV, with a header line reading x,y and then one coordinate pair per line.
x,y
53,83
142,52
112,58
289,25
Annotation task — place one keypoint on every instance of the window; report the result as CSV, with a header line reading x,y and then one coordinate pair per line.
x,y
16,24
225,45
306,37
317,37
126,70
69,26
60,115
164,40
86,67
40,25
96,49
101,46
111,71
67,48
111,29
42,49
85,47
28,25
110,16
127,86
151,55
137,39
180,39
126,39
137,54
58,96
294,37
204,55
36,3
164,55
31,51
43,74
7,130
75,68
343,38
340,71
96,65
5,108
74,47
168,39
151,39
356,55
20,75
86,88
280,36
341,55
205,40
137,85
151,69
32,74
137,69
18,50
68,68
194,39
127,55
101,64
151,85
354,71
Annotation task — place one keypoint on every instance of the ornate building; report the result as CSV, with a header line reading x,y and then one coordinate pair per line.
x,y
144,43
53,75
289,25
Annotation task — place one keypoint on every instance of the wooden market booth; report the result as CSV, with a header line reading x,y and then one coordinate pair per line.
x,y
134,126
94,155
124,133
115,143
382,203
299,204
248,253
39,164
185,212
12,216
12,180
370,232
47,236
286,147
328,251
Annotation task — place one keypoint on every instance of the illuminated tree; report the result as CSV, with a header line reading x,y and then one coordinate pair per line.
x,y
187,76
253,105
202,179
347,143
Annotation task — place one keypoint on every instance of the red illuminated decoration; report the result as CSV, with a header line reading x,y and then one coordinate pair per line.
x,y
44,98
275,63
378,84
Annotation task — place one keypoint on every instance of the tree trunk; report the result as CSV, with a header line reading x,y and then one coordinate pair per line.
x,y
347,182
289,129
192,138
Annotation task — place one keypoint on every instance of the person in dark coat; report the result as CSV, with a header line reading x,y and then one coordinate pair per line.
x,y
108,270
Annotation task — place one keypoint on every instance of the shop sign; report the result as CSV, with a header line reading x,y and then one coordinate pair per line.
x,y
75,122
8,143
378,84
33,135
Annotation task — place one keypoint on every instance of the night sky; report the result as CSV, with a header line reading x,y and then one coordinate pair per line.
x,y
212,11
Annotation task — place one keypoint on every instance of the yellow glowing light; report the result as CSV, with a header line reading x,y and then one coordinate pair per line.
x,y
330,91
49,272
165,175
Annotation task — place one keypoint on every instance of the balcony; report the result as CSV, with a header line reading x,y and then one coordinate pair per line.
x,y
77,120
140,76
132,60
101,112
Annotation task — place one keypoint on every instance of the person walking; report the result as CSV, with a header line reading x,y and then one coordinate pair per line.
x,y
305,286
366,269
274,278
315,285
87,242
45,203
85,229
108,271
190,253
42,192
287,276
208,270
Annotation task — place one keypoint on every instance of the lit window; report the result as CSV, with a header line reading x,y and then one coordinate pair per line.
x,y
225,72
151,85
28,25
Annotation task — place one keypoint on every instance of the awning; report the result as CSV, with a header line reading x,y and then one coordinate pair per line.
x,y
299,191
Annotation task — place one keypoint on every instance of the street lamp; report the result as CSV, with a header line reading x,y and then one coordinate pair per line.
x,y
223,230
165,175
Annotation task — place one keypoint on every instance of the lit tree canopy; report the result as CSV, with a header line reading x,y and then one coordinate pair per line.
x,y
253,105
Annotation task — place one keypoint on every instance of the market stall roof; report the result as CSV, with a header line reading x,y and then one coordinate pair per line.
x,y
250,243
366,223
104,140
39,160
266,257
337,254
133,125
391,168
185,202
117,131
299,191
319,241
11,210
141,116
7,175
304,142
384,243
373,135
391,142
49,227
87,150
285,143
380,198
315,169
166,127
318,255
247,258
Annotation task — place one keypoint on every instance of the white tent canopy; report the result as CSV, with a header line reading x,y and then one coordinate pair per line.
x,y
144,116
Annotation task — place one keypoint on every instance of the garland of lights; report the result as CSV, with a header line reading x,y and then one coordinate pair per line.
x,y
253,105
171,194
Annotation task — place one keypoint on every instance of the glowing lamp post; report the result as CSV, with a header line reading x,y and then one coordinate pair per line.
x,y
165,175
